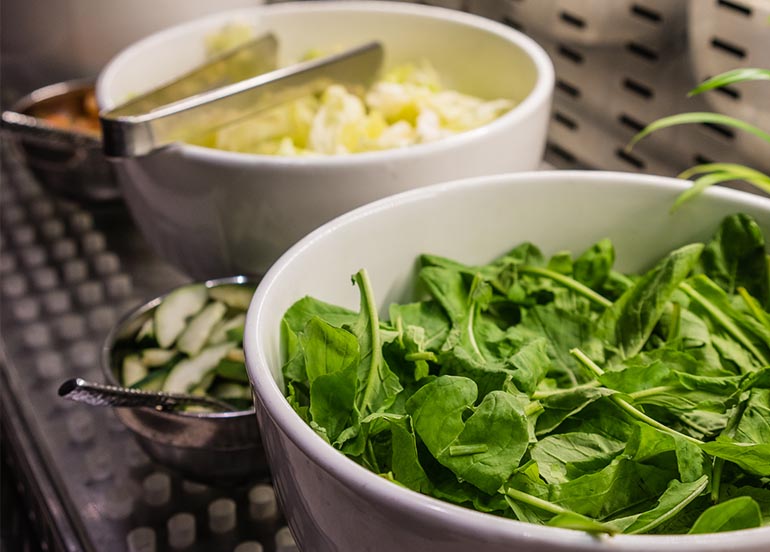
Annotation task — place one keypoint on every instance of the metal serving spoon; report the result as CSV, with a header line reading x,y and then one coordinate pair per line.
x,y
99,394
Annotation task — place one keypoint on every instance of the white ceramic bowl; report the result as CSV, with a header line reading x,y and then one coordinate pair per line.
x,y
332,503
214,213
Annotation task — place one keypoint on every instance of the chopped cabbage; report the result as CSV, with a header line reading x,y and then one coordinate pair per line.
x,y
407,106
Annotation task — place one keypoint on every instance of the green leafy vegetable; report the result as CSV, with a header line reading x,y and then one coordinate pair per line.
x,y
557,390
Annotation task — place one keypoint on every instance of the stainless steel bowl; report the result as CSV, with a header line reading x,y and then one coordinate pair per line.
x,y
222,447
69,162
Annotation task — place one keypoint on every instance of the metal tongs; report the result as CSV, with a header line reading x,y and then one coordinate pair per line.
x,y
207,98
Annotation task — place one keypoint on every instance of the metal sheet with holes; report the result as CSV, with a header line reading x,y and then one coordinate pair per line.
x,y
621,64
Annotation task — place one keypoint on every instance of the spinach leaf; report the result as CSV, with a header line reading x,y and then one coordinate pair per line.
x,y
486,448
628,324
621,485
736,257
331,357
565,456
594,265
676,497
739,513
754,458
488,392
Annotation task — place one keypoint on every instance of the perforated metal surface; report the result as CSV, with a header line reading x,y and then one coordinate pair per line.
x,y
67,272
621,64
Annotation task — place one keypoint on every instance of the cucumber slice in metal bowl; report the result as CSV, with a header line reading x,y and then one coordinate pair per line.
x,y
178,342
172,313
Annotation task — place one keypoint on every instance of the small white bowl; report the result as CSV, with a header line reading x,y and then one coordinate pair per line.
x,y
332,503
214,212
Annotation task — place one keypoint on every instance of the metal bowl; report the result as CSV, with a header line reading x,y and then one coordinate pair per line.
x,y
221,447
67,161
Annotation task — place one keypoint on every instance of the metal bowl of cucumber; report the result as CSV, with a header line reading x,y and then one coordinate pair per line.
x,y
190,340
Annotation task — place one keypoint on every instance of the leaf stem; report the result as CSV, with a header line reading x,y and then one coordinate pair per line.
x,y
533,408
566,281
421,355
539,395
628,407
367,296
725,322
652,391
676,322
754,307
539,503
467,450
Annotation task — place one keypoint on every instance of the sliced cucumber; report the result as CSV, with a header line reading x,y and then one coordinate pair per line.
x,y
153,381
197,332
236,296
236,355
133,370
147,331
203,385
188,373
154,357
172,314
219,333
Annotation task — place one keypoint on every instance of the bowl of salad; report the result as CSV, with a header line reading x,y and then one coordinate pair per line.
x,y
458,95
190,341
550,361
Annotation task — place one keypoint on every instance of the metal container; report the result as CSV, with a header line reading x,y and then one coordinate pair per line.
x,y
68,161
220,447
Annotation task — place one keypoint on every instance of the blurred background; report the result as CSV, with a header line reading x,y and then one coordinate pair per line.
x,y
73,480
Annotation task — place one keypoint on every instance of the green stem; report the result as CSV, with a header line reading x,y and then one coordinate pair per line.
x,y
533,408
420,355
652,391
467,450
539,503
362,278
568,282
539,395
472,316
716,478
628,407
726,323
676,319
754,307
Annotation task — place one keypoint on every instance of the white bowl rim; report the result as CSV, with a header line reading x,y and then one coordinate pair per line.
x,y
275,405
540,94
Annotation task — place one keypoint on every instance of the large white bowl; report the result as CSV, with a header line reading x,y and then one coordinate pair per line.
x,y
213,212
332,503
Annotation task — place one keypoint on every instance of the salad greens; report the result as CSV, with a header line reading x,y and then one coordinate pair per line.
x,y
557,390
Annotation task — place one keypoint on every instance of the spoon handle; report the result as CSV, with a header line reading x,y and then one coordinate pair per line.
x,y
99,394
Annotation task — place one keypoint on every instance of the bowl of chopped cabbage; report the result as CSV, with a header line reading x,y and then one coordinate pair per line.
x,y
510,371
458,95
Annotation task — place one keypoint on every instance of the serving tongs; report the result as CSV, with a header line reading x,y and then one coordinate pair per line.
x,y
193,105
102,394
